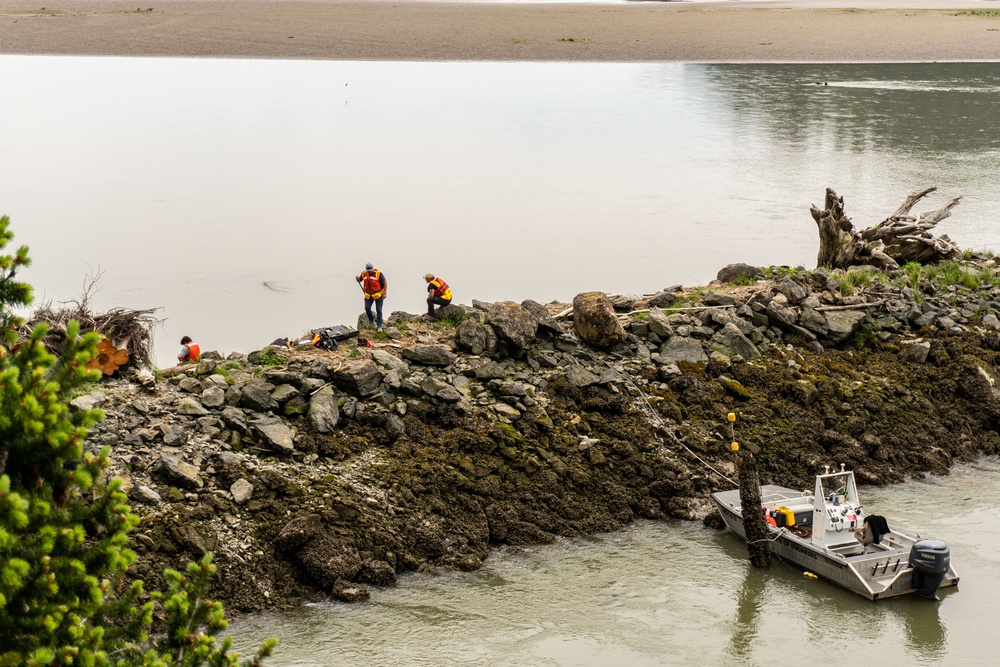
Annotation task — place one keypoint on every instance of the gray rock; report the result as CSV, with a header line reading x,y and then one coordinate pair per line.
x,y
241,490
915,351
731,342
359,377
192,385
779,315
144,494
842,324
450,313
579,376
324,414
512,323
490,371
429,355
814,321
595,322
732,273
991,321
177,473
713,298
623,303
175,436
284,393
215,381
191,406
663,299
449,395
431,386
273,434
793,291
389,361
256,396
926,320
399,317
213,397
476,338
88,402
680,350
659,324
543,316
235,419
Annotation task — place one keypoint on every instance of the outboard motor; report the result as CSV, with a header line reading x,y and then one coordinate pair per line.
x,y
930,560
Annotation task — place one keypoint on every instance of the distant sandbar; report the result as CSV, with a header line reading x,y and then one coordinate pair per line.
x,y
813,31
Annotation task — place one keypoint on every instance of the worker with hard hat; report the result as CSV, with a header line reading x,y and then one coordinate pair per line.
x,y
374,285
438,293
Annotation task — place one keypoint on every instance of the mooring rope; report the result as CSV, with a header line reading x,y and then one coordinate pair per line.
x,y
670,433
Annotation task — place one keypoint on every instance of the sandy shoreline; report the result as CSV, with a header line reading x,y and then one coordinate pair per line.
x,y
816,31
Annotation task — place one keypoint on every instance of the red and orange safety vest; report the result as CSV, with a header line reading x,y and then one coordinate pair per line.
x,y
441,289
371,283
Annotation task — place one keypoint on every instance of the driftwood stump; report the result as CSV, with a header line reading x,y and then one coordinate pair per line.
x,y
109,358
898,239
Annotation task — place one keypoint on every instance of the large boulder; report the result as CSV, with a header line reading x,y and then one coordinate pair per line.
x,y
361,378
732,273
256,396
512,323
323,412
595,321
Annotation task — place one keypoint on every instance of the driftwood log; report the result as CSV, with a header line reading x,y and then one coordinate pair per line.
x,y
898,239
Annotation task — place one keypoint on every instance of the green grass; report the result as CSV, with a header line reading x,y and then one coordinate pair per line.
x,y
269,359
451,321
987,13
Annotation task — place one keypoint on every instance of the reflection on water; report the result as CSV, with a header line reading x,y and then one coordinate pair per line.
x,y
242,196
669,594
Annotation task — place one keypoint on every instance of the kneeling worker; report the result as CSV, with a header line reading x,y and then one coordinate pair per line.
x,y
189,350
438,293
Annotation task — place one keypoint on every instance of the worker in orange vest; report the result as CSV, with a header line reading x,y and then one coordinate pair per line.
x,y
438,293
189,350
374,285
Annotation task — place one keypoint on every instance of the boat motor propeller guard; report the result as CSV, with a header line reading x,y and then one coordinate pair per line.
x,y
930,560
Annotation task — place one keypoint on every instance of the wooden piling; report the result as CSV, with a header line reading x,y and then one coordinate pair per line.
x,y
754,523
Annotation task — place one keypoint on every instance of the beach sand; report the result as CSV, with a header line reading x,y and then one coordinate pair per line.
x,y
812,31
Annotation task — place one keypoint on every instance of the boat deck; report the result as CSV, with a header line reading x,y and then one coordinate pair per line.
x,y
876,570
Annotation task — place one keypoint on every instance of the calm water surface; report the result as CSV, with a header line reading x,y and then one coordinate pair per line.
x,y
670,594
240,197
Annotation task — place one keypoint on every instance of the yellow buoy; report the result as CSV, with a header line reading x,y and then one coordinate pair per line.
x,y
809,575
735,446
731,416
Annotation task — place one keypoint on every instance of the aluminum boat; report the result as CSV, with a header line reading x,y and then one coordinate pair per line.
x,y
829,533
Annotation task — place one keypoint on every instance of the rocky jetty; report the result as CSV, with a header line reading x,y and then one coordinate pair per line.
x,y
312,473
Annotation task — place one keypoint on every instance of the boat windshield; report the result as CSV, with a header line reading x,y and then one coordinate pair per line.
x,y
835,485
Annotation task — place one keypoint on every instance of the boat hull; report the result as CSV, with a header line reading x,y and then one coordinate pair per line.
x,y
878,571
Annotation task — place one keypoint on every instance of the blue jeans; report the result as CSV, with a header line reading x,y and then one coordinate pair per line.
x,y
378,311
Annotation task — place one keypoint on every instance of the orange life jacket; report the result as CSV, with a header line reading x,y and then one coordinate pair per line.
x,y
371,283
441,289
194,352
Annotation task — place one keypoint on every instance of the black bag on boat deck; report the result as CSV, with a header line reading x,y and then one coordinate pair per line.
x,y
329,337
